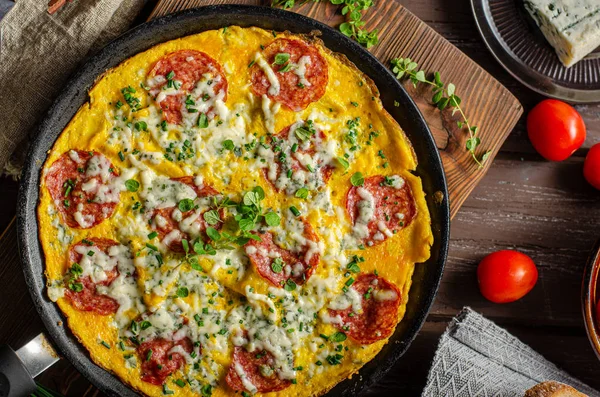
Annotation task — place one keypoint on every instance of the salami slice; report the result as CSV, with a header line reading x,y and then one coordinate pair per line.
x,y
297,160
186,73
300,70
381,207
88,299
157,360
280,266
169,228
80,184
378,316
254,372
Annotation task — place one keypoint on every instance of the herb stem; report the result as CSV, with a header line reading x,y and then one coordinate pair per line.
x,y
472,136
443,96
353,27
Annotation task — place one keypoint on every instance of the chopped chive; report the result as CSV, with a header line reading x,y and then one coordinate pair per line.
x,y
202,120
152,247
145,324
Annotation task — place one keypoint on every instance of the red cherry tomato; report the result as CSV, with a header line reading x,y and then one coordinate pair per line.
x,y
555,129
591,166
506,276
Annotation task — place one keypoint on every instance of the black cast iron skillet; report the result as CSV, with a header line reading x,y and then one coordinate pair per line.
x,y
426,277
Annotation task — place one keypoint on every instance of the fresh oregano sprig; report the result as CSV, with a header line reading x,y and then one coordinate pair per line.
x,y
443,96
249,214
354,26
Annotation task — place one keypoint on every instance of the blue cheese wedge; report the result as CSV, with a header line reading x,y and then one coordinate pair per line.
x,y
572,27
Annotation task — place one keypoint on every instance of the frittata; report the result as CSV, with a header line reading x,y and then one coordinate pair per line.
x,y
233,212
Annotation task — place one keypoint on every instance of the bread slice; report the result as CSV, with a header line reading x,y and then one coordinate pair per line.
x,y
553,389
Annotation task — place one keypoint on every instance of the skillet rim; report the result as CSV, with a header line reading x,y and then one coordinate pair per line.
x,y
407,115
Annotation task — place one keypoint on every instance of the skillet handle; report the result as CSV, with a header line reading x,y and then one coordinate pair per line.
x,y
15,380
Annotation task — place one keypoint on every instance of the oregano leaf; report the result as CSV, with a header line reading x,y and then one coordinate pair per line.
x,y
346,29
485,156
442,103
451,88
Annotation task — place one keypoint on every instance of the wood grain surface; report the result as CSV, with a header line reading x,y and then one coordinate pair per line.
x,y
488,104
524,202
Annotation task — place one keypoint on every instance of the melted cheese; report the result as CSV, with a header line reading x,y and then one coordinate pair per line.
x,y
275,86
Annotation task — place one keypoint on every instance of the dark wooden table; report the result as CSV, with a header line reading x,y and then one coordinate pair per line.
x,y
543,209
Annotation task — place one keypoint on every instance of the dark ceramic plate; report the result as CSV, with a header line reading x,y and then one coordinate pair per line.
x,y
426,277
519,45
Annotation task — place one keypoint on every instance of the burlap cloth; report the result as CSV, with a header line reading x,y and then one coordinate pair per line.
x,y
477,358
38,52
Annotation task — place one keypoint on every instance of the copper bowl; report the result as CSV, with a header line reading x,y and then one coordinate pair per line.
x,y
589,298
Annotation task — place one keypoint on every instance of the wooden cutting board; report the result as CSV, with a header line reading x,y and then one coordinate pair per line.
x,y
487,103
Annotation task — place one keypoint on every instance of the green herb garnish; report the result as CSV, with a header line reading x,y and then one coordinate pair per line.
x,y
186,205
202,120
343,162
443,96
141,126
182,292
354,25
212,217
277,265
290,285
228,144
302,193
145,324
338,337
272,219
281,58
132,185
357,179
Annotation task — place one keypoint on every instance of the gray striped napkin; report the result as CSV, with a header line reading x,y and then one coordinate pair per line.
x,y
477,358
